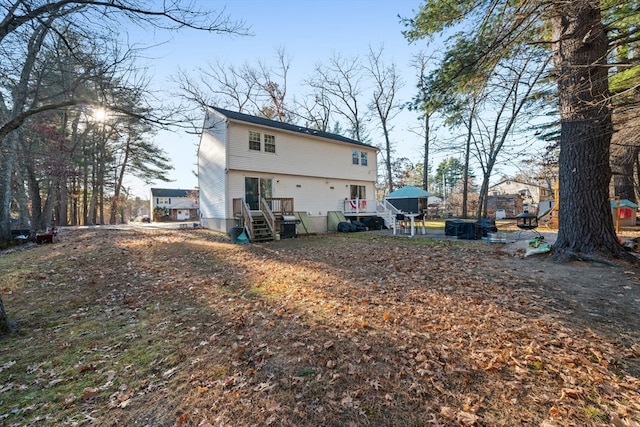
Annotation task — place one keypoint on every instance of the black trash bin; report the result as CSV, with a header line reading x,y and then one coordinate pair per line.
x,y
234,232
462,229
373,222
451,227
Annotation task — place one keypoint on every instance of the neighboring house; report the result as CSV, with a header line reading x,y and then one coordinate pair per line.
x,y
177,205
505,206
250,167
505,194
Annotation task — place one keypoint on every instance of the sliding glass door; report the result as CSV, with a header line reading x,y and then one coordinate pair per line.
x,y
254,189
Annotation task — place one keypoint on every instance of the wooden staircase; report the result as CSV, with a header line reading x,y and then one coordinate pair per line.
x,y
261,230
261,223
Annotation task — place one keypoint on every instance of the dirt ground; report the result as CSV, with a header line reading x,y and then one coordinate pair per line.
x,y
602,298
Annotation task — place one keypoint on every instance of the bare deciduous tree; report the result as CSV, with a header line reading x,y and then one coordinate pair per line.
x,y
341,82
508,94
24,30
386,84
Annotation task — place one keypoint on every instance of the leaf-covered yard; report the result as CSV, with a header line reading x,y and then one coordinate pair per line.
x,y
181,327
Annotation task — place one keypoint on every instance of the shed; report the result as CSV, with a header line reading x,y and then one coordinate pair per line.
x,y
628,212
409,199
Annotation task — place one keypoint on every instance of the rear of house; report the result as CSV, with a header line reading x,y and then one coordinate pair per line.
x,y
245,160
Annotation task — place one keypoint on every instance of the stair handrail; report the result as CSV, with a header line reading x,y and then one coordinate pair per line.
x,y
269,216
389,212
247,218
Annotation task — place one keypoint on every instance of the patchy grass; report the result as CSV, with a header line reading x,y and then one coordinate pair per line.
x,y
178,327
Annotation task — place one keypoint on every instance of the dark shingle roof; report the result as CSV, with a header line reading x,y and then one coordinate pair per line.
x,y
233,115
169,192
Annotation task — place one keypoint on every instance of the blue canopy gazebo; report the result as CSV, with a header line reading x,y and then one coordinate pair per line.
x,y
409,199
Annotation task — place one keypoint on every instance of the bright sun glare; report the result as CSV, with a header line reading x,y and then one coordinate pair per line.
x,y
100,115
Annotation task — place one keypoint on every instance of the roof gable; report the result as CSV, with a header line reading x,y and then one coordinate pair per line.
x,y
241,117
516,181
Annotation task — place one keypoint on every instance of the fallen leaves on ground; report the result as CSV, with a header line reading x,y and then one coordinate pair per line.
x,y
182,327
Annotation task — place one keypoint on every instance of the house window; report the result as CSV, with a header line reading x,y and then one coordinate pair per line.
x,y
163,201
254,141
363,158
355,157
269,144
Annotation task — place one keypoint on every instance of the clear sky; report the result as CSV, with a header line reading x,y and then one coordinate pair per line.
x,y
310,31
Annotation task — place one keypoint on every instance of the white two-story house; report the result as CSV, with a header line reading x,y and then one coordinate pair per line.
x,y
249,166
174,204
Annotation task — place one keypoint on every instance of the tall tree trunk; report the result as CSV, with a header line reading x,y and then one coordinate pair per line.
x,y
117,200
19,98
623,176
37,221
101,175
625,146
467,153
49,203
483,195
21,198
8,157
585,222
62,212
425,164
75,197
387,149
85,186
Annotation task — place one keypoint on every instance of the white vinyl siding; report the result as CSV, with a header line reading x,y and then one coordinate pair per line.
x,y
298,154
311,195
212,161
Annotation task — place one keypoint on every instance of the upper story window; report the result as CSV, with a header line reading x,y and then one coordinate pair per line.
x,y
359,158
269,143
163,201
254,141
355,157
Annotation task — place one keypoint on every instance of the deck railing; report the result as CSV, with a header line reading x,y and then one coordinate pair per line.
x,y
280,205
388,213
268,215
358,206
277,205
